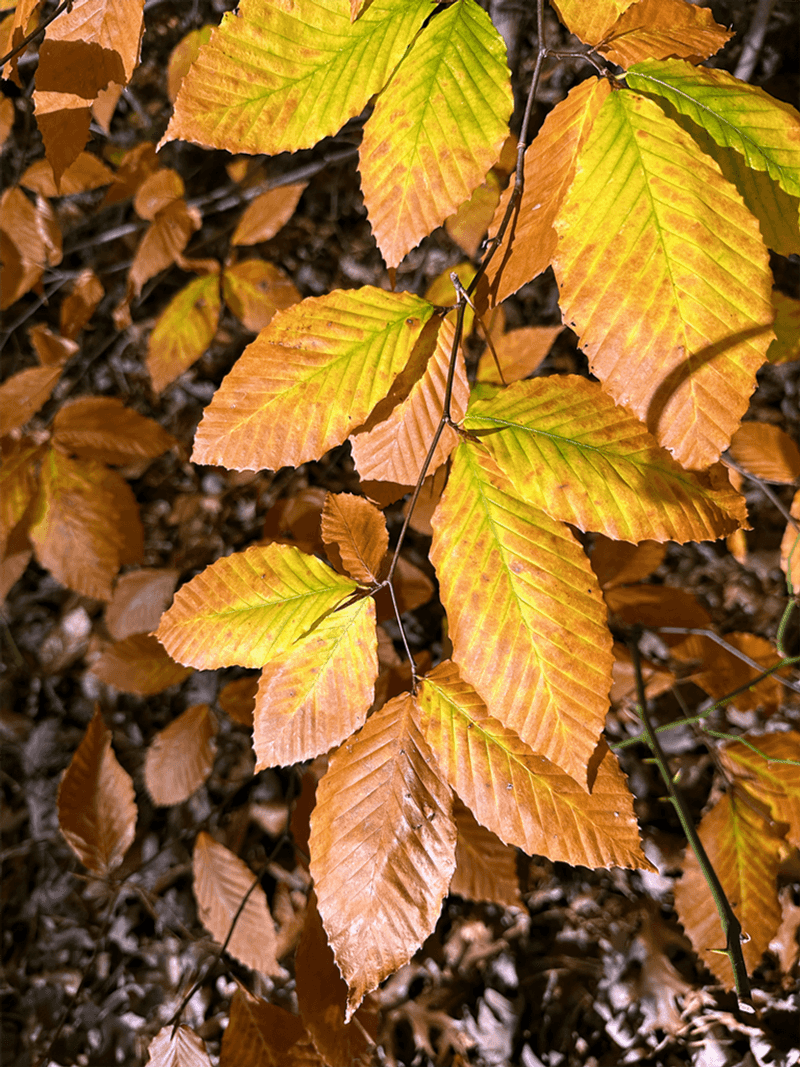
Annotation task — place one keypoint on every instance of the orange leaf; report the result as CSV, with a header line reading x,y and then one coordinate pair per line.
x,y
179,1047
136,165
790,548
589,19
382,848
113,26
619,562
52,350
140,599
656,605
722,672
184,330
660,29
775,785
238,699
86,173
138,664
549,169
63,120
23,394
320,690
221,881
267,214
182,56
486,869
359,530
767,452
745,851
96,805
102,428
79,305
17,483
31,241
181,757
624,689
163,243
158,190
254,290
395,449
469,224
259,1034
520,796
519,353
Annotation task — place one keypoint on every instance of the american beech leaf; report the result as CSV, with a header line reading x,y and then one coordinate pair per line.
x,y
395,449
521,796
250,607
519,352
310,378
685,285
659,29
184,330
766,451
776,785
504,566
96,802
620,563
549,169
114,27
52,350
180,1047
102,428
486,869
138,664
382,847
86,173
721,671
163,243
17,483
23,394
79,304
436,129
790,548
786,346
358,530
267,214
258,1034
221,882
181,756
140,599
254,290
746,851
279,77
63,120
320,691
590,19
571,451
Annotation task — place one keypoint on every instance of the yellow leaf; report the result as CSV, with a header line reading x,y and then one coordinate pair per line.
x,y
310,378
320,691
181,756
519,795
658,29
436,129
254,290
382,847
506,568
184,330
767,452
96,804
250,607
358,530
138,664
590,19
221,882
183,56
549,169
790,548
519,353
684,289
570,451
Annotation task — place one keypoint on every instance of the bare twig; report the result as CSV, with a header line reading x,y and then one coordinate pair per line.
x,y
688,631
23,44
765,489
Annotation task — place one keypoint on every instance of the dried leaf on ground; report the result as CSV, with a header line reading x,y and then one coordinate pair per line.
x,y
180,757
140,599
138,664
177,1048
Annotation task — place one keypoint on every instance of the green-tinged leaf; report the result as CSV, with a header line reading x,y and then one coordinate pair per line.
x,y
665,277
745,850
184,330
316,695
658,29
507,569
519,795
382,846
776,784
17,483
436,129
250,607
570,451
549,169
737,115
277,77
310,378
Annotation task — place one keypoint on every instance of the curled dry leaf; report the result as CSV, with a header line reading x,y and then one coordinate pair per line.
x,y
221,882
79,304
139,664
177,1048
180,758
96,805
359,531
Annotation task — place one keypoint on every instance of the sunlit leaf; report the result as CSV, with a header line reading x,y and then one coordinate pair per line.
x,y
320,691
519,353
658,29
183,56
221,882
138,664
549,169
358,530
102,428
177,1047
254,290
518,795
436,129
267,214
685,284
96,805
776,785
505,567
277,78
181,756
570,451
382,847
786,345
86,173
395,449
184,330
250,607
590,19
23,394
486,869
258,1034
745,851
767,452
469,224
310,378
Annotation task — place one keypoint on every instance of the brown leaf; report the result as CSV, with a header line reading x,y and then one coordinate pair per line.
x,y
86,173
102,428
139,664
221,881
80,303
238,699
412,589
63,120
52,350
96,805
259,1034
486,869
17,483
267,214
382,847
177,1048
163,243
140,599
114,27
157,191
136,165
23,394
767,452
790,548
359,531
657,605
31,241
254,290
620,562
721,671
181,757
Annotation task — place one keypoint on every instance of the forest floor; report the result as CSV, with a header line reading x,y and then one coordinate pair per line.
x,y
591,968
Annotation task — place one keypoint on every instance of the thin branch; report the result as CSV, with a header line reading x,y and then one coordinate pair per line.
x,y
765,489
65,6
688,631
